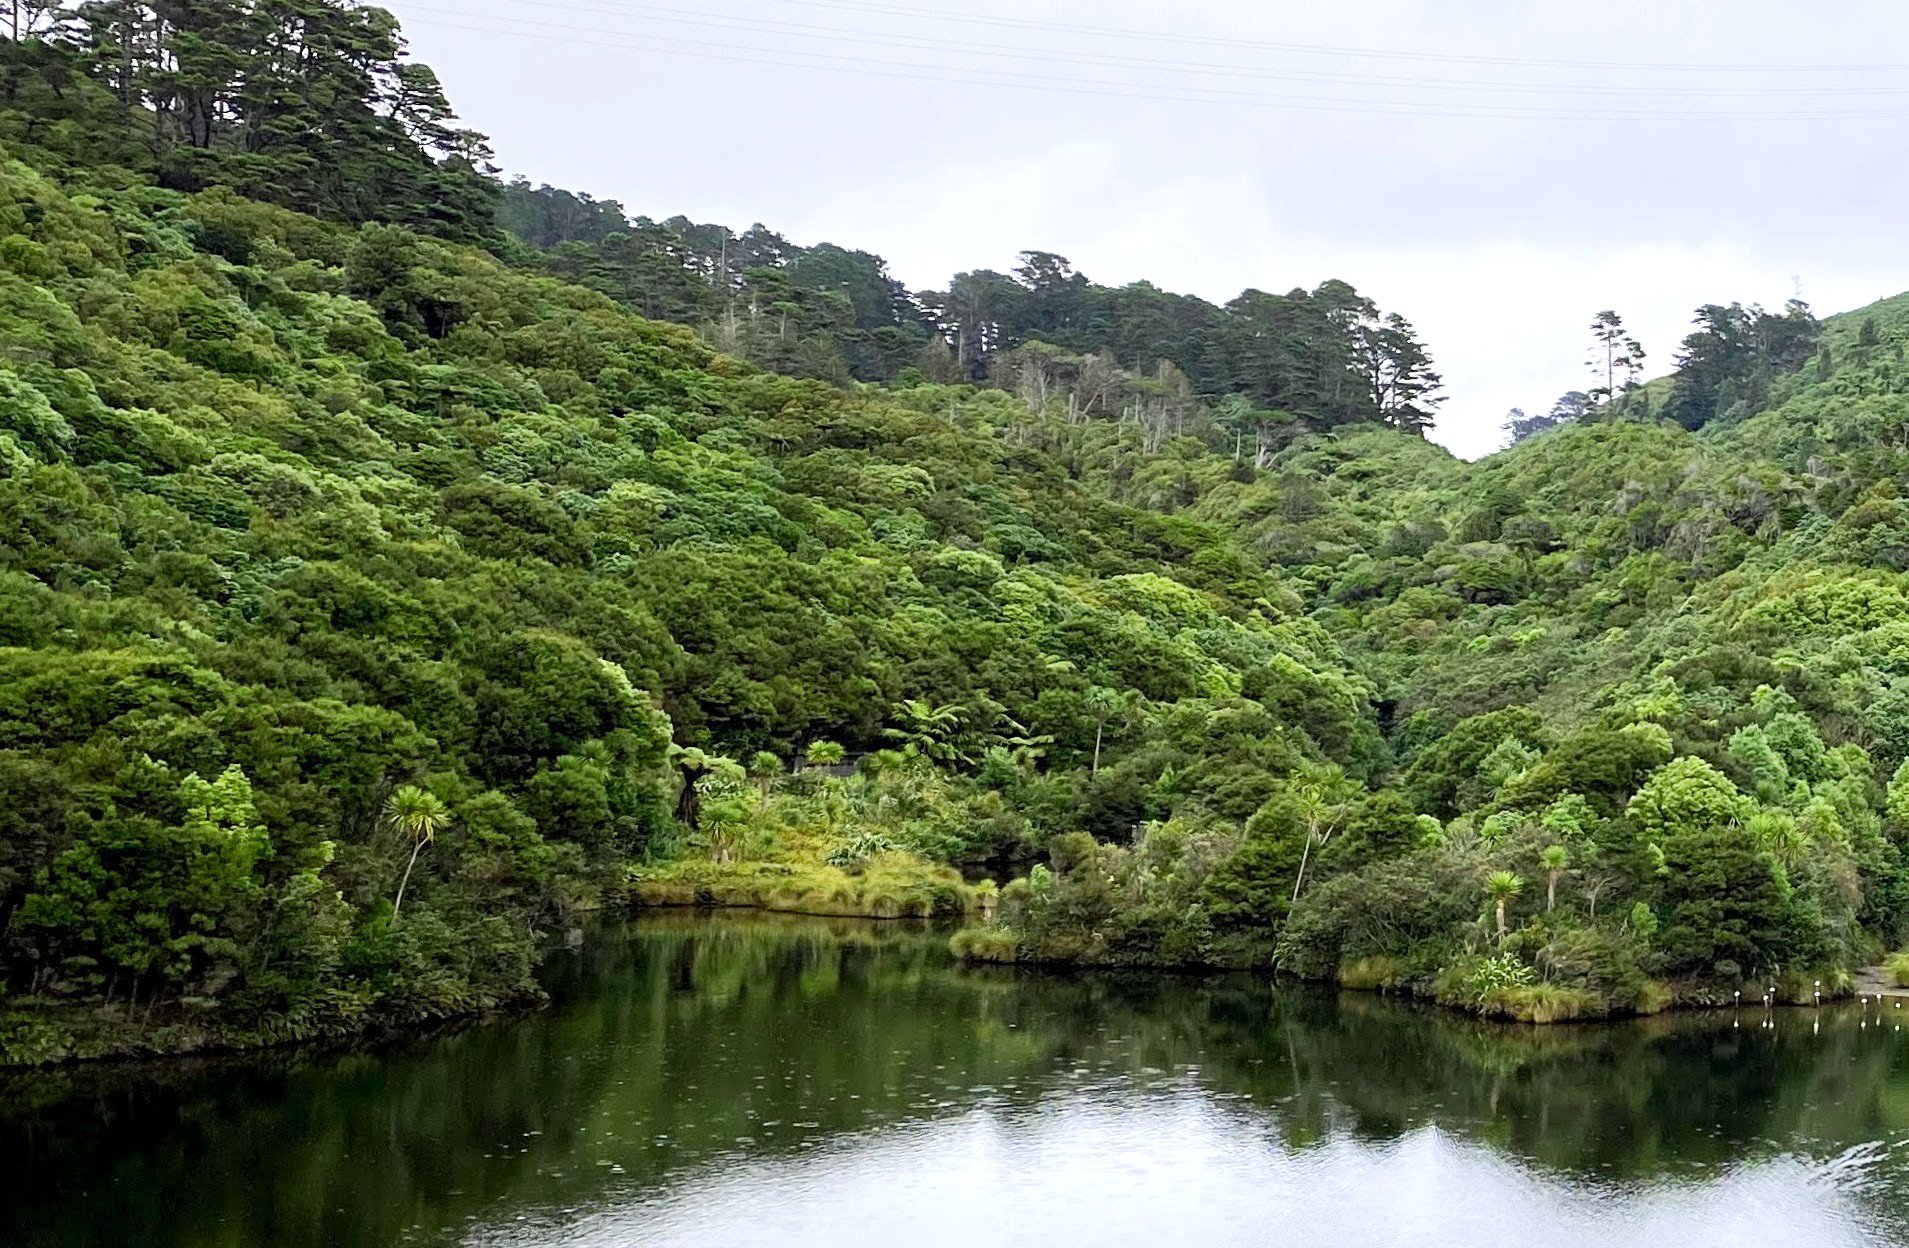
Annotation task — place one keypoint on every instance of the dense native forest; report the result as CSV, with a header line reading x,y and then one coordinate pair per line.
x,y
398,566
1306,359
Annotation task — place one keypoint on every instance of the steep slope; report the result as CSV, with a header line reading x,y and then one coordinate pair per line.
x,y
300,514
374,601
1648,681
313,519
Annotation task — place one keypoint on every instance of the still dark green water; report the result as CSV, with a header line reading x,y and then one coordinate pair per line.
x,y
744,1081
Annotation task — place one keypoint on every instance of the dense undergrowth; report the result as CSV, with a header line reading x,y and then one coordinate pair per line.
x,y
343,561
373,603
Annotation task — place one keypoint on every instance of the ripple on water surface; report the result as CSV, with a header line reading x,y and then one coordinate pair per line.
x,y
751,1082
1165,1166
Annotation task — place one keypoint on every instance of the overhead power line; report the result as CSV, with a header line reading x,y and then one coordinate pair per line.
x,y
1312,49
898,39
985,75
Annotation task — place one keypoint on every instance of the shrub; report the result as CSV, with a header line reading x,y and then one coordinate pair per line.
x,y
1398,908
984,944
1540,1003
1488,975
29,1041
1372,973
1601,960
849,855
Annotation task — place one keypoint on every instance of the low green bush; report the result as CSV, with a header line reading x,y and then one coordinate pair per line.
x,y
984,944
890,885
1540,1003
1474,980
850,854
27,1040
1373,973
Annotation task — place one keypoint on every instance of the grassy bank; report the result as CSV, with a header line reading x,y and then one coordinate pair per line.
x,y
797,877
1487,987
798,871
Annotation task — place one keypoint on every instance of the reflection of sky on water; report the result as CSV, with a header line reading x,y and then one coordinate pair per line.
x,y
1174,1164
722,1081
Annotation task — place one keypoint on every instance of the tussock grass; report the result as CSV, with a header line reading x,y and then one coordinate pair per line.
x,y
984,944
1368,974
1541,1003
891,885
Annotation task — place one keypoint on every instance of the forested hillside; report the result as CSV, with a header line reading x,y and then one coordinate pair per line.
x,y
1275,363
378,595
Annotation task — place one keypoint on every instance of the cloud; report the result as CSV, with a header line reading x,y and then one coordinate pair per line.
x,y
1577,182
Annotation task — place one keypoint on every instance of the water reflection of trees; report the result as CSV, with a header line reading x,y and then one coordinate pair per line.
x,y
704,1040
1682,1094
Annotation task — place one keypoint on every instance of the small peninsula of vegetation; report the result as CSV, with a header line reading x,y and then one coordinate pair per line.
x,y
385,585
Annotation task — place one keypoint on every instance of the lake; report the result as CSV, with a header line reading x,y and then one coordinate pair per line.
x,y
750,1080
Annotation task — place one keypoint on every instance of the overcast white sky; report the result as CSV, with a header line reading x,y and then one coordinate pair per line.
x,y
1496,171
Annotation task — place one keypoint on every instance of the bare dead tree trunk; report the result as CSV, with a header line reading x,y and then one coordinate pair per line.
x,y
1300,879
406,881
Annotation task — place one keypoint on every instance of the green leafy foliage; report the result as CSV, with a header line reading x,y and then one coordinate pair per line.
x,y
475,583
1657,672
1318,358
307,103
372,604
